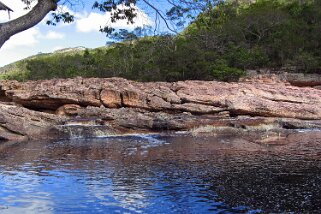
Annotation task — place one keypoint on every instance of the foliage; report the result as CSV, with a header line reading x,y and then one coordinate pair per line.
x,y
16,75
225,73
221,43
268,33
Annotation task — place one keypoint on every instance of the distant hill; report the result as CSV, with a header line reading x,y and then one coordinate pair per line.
x,y
70,50
15,65
20,65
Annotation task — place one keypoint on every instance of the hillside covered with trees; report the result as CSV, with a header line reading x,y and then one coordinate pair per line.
x,y
220,44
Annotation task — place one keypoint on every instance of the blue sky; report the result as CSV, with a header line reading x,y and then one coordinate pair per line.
x,y
83,32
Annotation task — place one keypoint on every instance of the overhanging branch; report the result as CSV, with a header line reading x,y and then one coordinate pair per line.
x,y
33,17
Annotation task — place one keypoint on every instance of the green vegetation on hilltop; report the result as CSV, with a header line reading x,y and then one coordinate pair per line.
x,y
220,44
268,33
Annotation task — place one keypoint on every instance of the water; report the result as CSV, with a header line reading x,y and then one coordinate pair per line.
x,y
161,174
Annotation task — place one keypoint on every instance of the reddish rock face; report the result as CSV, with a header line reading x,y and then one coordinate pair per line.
x,y
18,123
300,79
286,76
128,105
111,98
68,110
274,99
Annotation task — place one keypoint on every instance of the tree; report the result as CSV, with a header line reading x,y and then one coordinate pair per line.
x,y
179,10
38,12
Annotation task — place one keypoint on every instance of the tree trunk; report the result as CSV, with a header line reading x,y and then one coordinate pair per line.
x,y
36,14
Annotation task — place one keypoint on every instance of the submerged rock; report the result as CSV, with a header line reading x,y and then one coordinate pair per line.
x,y
35,109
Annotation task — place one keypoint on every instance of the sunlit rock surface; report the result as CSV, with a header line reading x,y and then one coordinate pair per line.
x,y
38,109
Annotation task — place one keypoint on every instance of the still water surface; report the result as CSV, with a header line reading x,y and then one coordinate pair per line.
x,y
160,174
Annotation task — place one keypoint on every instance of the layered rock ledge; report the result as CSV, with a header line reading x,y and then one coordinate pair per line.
x,y
70,107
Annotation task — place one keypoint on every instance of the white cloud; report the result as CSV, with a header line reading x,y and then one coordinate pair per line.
x,y
93,21
46,39
54,35
25,38
27,43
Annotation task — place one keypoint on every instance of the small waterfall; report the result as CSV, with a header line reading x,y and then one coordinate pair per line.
x,y
81,128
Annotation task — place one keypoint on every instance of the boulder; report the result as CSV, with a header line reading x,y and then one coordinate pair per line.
x,y
17,123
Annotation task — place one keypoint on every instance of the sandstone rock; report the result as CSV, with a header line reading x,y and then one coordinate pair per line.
x,y
111,98
288,123
21,123
275,77
197,108
157,103
134,99
199,97
125,106
317,87
68,110
303,80
6,134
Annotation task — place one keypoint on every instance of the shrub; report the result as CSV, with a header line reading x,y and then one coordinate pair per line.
x,y
225,73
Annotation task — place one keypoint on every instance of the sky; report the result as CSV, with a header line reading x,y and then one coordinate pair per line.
x,y
84,31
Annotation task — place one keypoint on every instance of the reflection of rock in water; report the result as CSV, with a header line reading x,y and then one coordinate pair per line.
x,y
184,173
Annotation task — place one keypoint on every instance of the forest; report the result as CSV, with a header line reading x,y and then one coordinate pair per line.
x,y
220,44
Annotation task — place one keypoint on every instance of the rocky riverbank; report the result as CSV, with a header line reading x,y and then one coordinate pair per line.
x,y
63,108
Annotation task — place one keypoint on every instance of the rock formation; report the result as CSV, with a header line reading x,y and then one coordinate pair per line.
x,y
292,78
43,109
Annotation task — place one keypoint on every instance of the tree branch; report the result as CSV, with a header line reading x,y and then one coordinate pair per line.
x,y
33,17
160,14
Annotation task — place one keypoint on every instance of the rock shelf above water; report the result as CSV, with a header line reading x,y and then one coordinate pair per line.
x,y
35,109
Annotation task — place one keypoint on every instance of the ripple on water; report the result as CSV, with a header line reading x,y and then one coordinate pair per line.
x,y
159,174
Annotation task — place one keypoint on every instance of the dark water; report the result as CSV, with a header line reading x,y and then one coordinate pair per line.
x,y
158,174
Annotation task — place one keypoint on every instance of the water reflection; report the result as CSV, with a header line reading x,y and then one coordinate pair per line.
x,y
161,174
